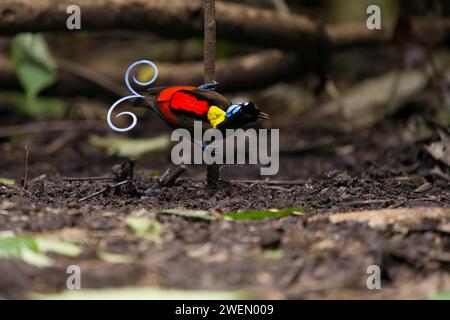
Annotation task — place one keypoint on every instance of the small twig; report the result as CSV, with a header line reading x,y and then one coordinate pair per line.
x,y
109,187
25,176
164,176
169,179
366,202
271,182
86,178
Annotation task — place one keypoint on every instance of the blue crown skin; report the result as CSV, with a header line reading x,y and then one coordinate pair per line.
x,y
233,109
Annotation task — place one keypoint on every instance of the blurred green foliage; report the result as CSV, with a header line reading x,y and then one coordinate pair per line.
x,y
33,250
34,65
444,295
145,227
7,181
38,107
36,70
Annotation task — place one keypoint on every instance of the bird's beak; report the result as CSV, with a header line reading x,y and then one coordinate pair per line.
x,y
263,115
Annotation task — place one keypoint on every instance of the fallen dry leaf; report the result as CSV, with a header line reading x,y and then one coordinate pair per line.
x,y
440,150
410,217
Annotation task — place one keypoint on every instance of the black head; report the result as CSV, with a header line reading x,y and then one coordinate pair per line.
x,y
244,113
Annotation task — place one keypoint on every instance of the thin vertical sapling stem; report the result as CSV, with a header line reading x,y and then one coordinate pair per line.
x,y
209,12
209,40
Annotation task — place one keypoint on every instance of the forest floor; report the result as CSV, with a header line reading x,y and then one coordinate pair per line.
x,y
360,204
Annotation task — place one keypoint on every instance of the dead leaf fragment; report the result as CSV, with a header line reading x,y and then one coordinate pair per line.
x,y
410,217
440,150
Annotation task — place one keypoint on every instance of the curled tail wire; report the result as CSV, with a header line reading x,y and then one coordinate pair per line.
x,y
134,95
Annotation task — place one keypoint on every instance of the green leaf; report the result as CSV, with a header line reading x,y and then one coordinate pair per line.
x,y
7,181
142,293
11,246
193,214
275,254
32,251
39,107
133,148
260,215
145,227
34,65
24,248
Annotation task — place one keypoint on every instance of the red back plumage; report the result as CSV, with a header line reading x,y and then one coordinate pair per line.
x,y
166,94
178,98
180,106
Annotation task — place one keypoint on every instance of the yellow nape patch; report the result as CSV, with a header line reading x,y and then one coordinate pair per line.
x,y
216,116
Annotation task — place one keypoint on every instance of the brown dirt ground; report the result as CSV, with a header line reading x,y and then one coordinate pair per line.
x,y
298,256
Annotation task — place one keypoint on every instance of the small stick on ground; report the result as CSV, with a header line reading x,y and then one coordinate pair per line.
x,y
25,176
168,179
109,187
164,176
86,178
271,182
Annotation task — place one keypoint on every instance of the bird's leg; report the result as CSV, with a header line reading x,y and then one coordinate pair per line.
x,y
209,86
213,179
212,170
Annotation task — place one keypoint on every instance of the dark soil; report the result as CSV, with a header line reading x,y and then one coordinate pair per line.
x,y
298,256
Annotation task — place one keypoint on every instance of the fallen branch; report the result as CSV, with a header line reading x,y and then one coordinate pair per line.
x,y
172,18
181,19
357,34
247,72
